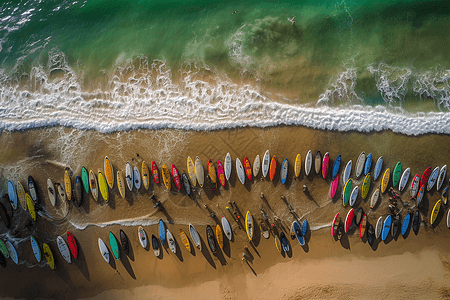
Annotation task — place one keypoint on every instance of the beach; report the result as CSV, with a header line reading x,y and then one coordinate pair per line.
x,y
415,266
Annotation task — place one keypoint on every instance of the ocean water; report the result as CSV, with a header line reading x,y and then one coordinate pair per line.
x,y
121,65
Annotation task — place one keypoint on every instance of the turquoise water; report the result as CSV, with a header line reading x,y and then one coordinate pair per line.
x,y
106,53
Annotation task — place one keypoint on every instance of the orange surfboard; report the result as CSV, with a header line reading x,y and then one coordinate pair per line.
x,y
273,167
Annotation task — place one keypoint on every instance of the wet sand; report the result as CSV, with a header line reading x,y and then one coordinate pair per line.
x,y
324,267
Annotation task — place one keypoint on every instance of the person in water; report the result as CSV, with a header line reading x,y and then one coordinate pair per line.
x,y
292,20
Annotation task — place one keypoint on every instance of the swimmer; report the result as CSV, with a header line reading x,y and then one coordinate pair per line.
x,y
291,20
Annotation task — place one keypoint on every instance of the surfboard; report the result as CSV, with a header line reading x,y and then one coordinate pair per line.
x,y
396,174
349,220
304,227
191,171
61,192
93,185
63,249
435,211
426,174
129,176
362,226
265,163
120,184
385,180
404,179
445,195
368,164
420,194
145,175
103,250
298,165
78,191
12,194
334,186
248,169
68,185
353,196
166,177
219,236
109,172
358,215
21,195
142,237
308,163
395,225
347,172
32,189
277,244
176,177
72,244
256,165
162,232
360,164
155,246
185,240
35,248
336,167
212,175
284,170
298,233
441,177
318,162
85,179
103,186
155,172
4,249
378,167
171,241
432,179
346,192
374,199
227,228
379,227
273,167
249,225
240,170
12,252
335,225
386,227
220,173
124,242
365,186
186,184
448,218
136,178
406,222
284,242
416,222
48,255
195,237
199,173
210,238
325,163
30,206
114,245
227,165
415,186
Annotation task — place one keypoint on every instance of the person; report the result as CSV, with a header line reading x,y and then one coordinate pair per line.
x,y
305,189
262,195
292,20
157,205
234,12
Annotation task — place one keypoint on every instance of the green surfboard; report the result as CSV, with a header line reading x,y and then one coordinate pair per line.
x,y
365,186
114,245
3,249
396,174
347,192
85,179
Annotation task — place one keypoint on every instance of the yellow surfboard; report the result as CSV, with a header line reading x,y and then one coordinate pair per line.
x,y
145,175
120,184
191,171
185,240
21,195
385,180
49,256
219,236
109,173
277,244
68,185
166,177
249,225
435,211
365,186
103,186
30,205
298,165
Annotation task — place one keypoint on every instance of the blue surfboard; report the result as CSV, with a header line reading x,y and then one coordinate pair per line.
x,y
162,232
336,166
284,242
378,167
406,223
386,227
304,227
368,164
298,233
284,170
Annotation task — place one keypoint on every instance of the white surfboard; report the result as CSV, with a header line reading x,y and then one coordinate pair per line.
x,y
129,176
256,165
378,167
227,228
195,236
415,186
103,250
12,252
12,193
142,237
404,179
240,171
308,163
63,249
347,172
171,240
266,163
93,184
51,192
35,248
227,166
448,218
441,177
360,164
433,178
353,196
374,199
199,172
136,178
379,227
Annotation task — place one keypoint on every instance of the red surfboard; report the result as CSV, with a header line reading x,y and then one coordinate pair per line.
x,y
334,186
220,173
176,177
425,176
72,244
273,167
349,220
248,168
155,172
325,163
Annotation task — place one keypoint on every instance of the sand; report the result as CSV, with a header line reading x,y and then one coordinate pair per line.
x,y
417,266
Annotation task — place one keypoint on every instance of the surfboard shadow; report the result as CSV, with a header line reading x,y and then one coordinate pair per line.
x,y
178,250
80,262
206,253
125,262
227,246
